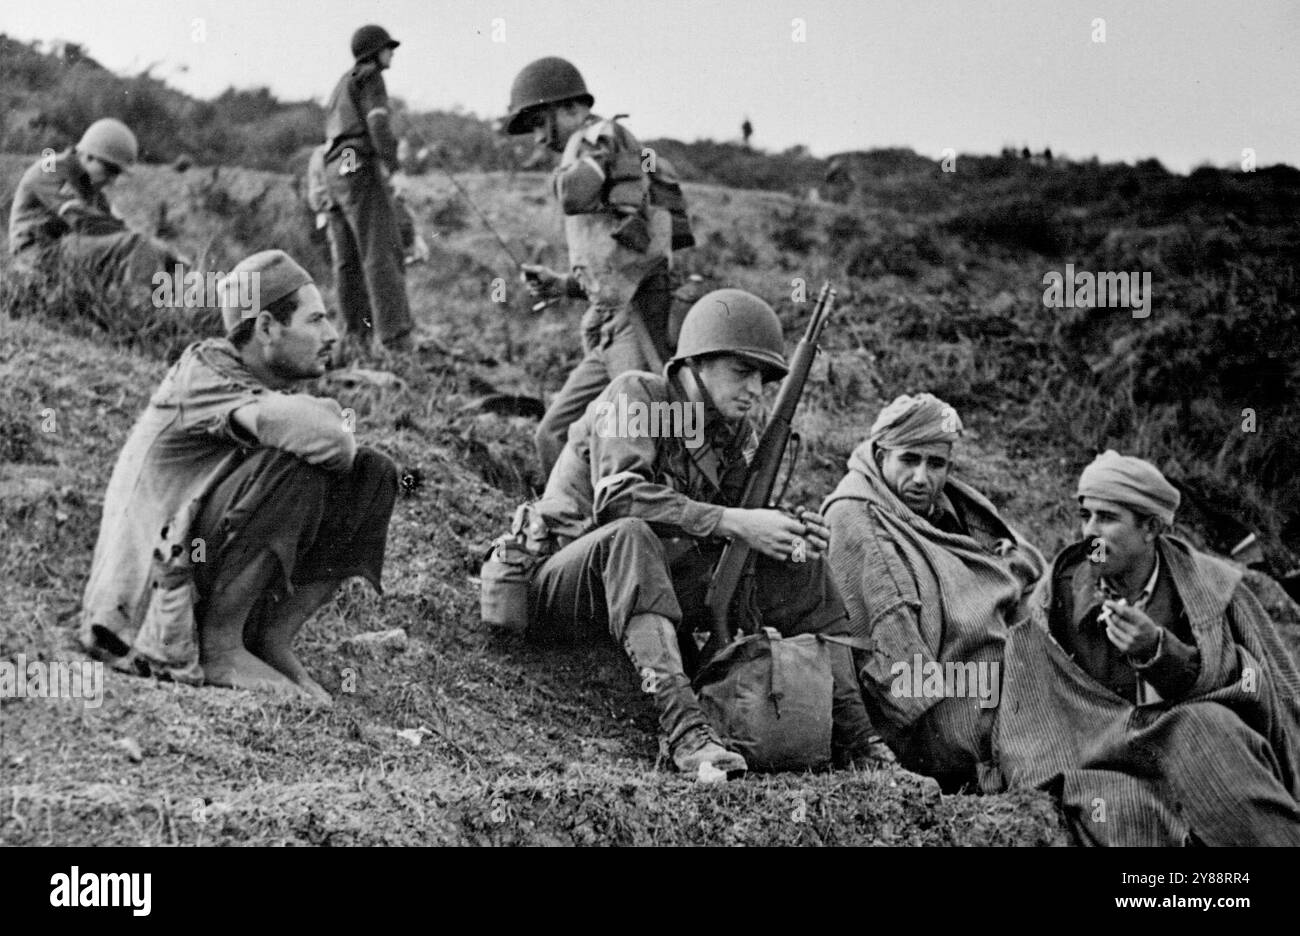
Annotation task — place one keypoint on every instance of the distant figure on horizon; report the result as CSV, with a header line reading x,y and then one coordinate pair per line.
x,y
837,182
747,131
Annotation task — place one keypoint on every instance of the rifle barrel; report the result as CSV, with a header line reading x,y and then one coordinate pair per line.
x,y
737,556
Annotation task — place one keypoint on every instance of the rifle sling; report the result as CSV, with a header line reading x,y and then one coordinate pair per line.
x,y
857,643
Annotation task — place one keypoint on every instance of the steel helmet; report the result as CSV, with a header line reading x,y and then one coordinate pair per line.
x,y
545,81
111,141
368,40
732,321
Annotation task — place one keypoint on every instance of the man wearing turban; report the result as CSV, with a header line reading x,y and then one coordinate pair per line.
x,y
1148,688
934,576
237,506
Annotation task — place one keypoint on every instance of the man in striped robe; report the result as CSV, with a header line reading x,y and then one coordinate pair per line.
x,y
934,576
1148,689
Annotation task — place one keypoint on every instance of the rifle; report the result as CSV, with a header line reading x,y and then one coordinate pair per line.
x,y
735,570
501,241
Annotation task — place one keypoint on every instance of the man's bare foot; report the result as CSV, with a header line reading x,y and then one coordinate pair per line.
x,y
315,690
239,669
279,655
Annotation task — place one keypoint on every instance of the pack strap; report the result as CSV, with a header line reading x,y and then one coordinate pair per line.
x,y
857,643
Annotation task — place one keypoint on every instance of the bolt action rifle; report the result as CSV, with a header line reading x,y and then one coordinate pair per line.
x,y
733,579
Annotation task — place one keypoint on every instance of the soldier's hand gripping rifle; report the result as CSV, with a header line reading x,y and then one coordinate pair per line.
x,y
733,577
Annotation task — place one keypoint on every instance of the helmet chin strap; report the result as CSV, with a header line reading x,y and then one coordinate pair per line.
x,y
553,141
690,381
688,377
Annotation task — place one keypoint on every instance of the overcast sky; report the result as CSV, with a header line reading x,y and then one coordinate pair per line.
x,y
1187,82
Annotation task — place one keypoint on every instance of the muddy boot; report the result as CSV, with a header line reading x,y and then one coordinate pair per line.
x,y
700,746
651,642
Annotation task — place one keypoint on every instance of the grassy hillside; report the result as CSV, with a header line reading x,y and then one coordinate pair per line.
x,y
523,744
519,744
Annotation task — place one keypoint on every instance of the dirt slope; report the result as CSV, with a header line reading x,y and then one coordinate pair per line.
x,y
517,744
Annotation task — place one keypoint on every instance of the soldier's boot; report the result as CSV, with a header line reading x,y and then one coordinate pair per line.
x,y
650,640
853,739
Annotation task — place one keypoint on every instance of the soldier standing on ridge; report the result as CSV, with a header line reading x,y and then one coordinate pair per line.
x,y
620,239
364,236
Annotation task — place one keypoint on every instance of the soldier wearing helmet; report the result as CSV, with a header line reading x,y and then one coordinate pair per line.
x,y
635,516
365,238
61,217
620,238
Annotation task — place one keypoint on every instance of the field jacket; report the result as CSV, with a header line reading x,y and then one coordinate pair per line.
x,y
48,205
613,468
601,186
183,446
357,118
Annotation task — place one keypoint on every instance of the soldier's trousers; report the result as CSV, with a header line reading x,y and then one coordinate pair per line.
x,y
366,246
614,345
602,580
123,256
320,525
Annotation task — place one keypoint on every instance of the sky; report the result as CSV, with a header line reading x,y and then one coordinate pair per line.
x,y
1188,82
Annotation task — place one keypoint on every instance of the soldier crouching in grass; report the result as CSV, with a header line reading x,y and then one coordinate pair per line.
x,y
237,507
61,219
638,523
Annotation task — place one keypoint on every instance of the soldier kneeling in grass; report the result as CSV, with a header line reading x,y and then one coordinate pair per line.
x,y
636,520
61,218
237,507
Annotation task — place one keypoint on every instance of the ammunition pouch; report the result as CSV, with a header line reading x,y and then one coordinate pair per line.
x,y
632,233
626,186
666,193
626,193
579,187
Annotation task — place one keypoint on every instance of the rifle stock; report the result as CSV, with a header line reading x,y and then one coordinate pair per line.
x,y
736,563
